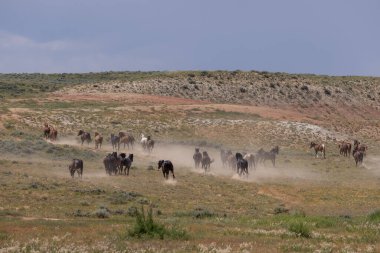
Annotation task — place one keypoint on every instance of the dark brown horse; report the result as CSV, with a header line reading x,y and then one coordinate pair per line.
x,y
84,136
197,157
149,144
318,148
359,147
76,166
46,131
345,148
358,156
50,132
206,161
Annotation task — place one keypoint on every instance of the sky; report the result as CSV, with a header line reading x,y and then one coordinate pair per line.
x,y
332,37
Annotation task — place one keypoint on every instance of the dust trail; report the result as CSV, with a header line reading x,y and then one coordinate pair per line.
x,y
372,163
72,141
170,181
182,158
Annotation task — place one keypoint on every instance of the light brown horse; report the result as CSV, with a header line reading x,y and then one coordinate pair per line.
x,y
318,148
128,140
98,140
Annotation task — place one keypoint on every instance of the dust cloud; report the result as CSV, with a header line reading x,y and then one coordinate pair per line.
x,y
182,158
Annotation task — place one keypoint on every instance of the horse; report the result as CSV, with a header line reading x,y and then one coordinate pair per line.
x,y
125,163
166,166
115,141
206,161
76,166
84,136
345,148
50,132
111,163
143,141
359,147
263,155
46,131
358,156
241,165
197,157
98,140
318,148
149,144
223,157
53,134
127,140
251,160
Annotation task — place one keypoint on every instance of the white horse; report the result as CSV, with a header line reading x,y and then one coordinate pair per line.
x,y
143,141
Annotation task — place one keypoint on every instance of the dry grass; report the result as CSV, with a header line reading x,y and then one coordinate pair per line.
x,y
43,209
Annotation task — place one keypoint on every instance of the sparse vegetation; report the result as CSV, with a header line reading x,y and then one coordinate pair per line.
x,y
305,204
145,226
301,229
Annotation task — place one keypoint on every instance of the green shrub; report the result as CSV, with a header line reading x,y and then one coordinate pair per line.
x,y
374,216
145,226
300,229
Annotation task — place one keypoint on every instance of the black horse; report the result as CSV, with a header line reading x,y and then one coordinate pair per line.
x,y
166,166
241,165
84,136
125,163
76,165
111,163
197,157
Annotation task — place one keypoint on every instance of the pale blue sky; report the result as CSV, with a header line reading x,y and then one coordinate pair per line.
x,y
335,37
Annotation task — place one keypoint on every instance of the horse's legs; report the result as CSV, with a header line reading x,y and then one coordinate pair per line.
x,y
173,174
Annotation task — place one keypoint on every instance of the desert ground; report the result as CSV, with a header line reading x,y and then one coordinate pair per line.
x,y
303,204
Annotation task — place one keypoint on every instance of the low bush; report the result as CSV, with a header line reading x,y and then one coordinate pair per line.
x,y
301,229
145,226
374,216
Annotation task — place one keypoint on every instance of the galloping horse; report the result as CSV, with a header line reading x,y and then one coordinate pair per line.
x,y
241,165
98,140
50,132
345,148
84,136
263,155
197,157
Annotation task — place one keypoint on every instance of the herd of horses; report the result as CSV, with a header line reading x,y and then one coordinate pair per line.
x,y
240,162
345,147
